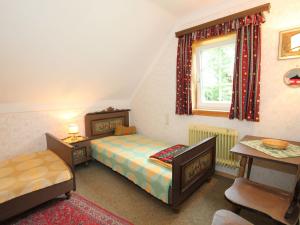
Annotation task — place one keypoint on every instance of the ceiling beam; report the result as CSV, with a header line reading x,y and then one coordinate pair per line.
x,y
261,8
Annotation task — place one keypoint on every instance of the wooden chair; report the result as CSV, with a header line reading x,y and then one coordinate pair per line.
x,y
281,206
225,217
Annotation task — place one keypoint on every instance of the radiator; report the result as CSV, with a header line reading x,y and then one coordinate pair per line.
x,y
226,139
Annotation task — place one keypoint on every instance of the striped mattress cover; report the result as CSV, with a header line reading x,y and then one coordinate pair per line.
x,y
129,156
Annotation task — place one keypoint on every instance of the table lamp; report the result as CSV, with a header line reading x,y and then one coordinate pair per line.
x,y
73,130
295,43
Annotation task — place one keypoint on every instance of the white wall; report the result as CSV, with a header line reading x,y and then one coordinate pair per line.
x,y
23,132
153,103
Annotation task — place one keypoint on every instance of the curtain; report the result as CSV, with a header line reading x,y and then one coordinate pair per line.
x,y
246,77
183,76
184,57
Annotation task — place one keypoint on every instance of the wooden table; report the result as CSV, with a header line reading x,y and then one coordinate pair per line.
x,y
248,154
270,201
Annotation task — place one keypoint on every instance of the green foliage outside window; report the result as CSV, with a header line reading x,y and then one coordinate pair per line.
x,y
217,73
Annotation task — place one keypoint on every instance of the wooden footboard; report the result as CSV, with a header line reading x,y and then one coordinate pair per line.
x,y
191,169
63,150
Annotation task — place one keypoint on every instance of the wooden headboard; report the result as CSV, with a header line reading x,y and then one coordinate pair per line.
x,y
103,123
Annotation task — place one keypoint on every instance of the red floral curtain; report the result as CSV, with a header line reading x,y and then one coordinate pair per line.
x,y
246,78
183,76
184,57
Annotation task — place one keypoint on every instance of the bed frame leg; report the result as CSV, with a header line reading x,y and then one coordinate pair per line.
x,y
68,195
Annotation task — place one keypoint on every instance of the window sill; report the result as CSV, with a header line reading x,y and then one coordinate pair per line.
x,y
214,113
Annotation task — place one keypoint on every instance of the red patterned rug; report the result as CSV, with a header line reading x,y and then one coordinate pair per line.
x,y
75,211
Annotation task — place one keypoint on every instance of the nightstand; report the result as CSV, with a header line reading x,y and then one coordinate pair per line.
x,y
82,150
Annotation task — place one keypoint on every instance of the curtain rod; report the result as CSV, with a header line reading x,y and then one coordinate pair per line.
x,y
261,8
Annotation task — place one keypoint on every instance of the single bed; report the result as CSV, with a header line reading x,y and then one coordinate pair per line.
x,y
129,156
31,179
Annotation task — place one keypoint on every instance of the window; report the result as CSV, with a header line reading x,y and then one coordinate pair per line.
x,y
213,64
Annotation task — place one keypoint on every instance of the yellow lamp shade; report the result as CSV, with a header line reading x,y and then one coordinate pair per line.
x,y
73,129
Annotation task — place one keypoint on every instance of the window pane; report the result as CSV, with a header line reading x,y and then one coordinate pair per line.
x,y
226,93
211,94
215,66
226,74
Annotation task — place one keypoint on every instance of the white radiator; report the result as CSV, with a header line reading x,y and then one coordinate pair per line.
x,y
226,139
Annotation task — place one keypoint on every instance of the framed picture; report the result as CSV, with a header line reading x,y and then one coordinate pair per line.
x,y
289,44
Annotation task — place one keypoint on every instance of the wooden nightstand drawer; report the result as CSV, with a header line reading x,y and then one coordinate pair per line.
x,y
80,155
82,152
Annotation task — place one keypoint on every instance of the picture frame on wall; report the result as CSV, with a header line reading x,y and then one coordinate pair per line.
x,y
289,44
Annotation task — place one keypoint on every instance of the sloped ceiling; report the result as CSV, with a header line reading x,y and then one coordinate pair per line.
x,y
78,51
183,7
72,51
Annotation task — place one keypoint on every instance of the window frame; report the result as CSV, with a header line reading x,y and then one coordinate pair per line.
x,y
216,109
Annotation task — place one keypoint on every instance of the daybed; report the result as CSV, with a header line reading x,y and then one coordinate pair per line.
x,y
129,156
34,178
